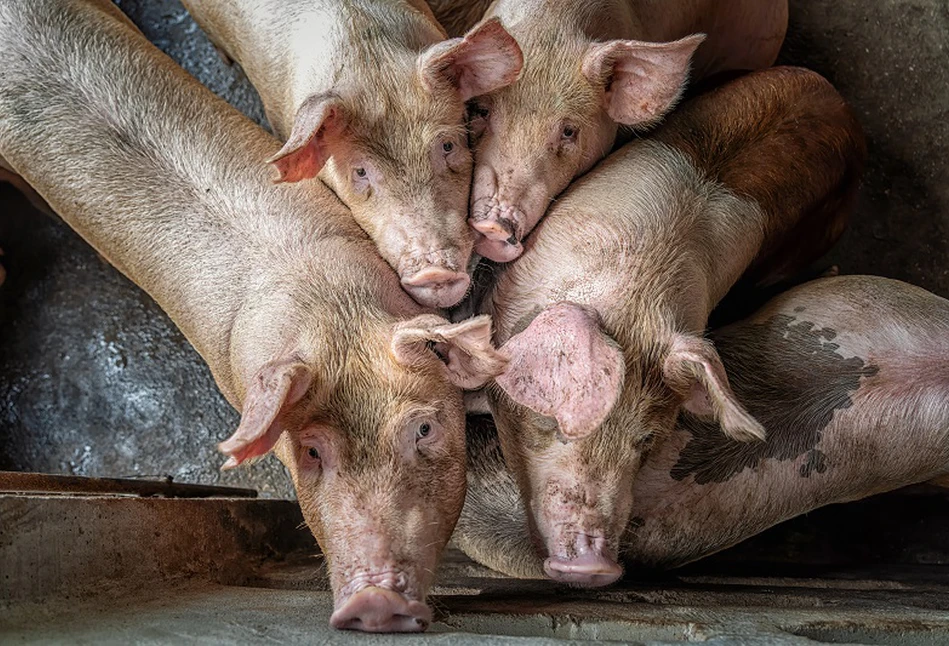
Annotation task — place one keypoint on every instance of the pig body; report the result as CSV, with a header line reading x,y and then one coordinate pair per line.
x,y
591,68
604,314
304,327
850,377
370,96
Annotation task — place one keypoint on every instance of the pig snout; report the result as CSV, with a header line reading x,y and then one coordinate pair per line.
x,y
435,279
583,560
503,211
380,610
380,603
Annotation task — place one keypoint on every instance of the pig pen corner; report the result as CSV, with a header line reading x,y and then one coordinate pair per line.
x,y
106,411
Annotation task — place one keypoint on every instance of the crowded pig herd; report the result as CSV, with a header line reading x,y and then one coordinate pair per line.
x,y
465,291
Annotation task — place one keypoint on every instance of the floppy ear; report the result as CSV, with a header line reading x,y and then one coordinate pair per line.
x,y
641,81
465,348
693,369
317,126
563,366
486,59
275,389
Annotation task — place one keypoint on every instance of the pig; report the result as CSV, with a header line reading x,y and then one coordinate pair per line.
x,y
850,375
587,74
356,387
603,316
371,97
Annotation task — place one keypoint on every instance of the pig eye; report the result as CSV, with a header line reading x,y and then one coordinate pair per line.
x,y
311,457
423,431
360,173
569,133
448,146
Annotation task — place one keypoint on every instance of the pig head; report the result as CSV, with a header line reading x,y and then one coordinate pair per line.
x,y
372,433
534,137
576,412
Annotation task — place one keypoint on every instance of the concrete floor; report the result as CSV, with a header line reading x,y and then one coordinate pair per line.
x,y
119,570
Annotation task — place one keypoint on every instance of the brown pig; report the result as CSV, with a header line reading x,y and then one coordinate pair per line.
x,y
850,376
370,96
304,327
590,68
603,316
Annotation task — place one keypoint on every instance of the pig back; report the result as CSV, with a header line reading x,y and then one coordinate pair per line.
x,y
786,140
160,176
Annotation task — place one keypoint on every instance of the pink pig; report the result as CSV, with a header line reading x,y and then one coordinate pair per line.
x,y
603,317
591,68
356,387
850,376
370,96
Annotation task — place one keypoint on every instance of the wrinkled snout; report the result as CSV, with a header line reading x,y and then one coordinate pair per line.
x,y
584,561
436,286
505,208
380,610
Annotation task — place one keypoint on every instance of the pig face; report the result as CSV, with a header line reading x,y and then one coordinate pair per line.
x,y
534,137
375,447
398,157
576,414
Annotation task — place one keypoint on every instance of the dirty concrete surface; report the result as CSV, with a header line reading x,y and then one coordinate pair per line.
x,y
94,379
152,571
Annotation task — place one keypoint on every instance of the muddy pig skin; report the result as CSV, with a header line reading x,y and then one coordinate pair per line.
x,y
591,68
603,317
304,327
850,377
369,95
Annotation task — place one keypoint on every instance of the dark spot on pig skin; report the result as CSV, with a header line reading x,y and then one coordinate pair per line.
x,y
790,376
815,461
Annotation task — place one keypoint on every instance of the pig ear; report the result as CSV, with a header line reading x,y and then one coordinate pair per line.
x,y
275,389
318,123
486,59
642,81
465,348
694,369
563,366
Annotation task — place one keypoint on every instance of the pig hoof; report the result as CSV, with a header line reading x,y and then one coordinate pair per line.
x,y
588,570
378,610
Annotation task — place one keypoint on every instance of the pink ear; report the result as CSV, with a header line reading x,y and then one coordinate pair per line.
x,y
694,369
564,367
319,120
486,59
275,389
642,81
465,348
